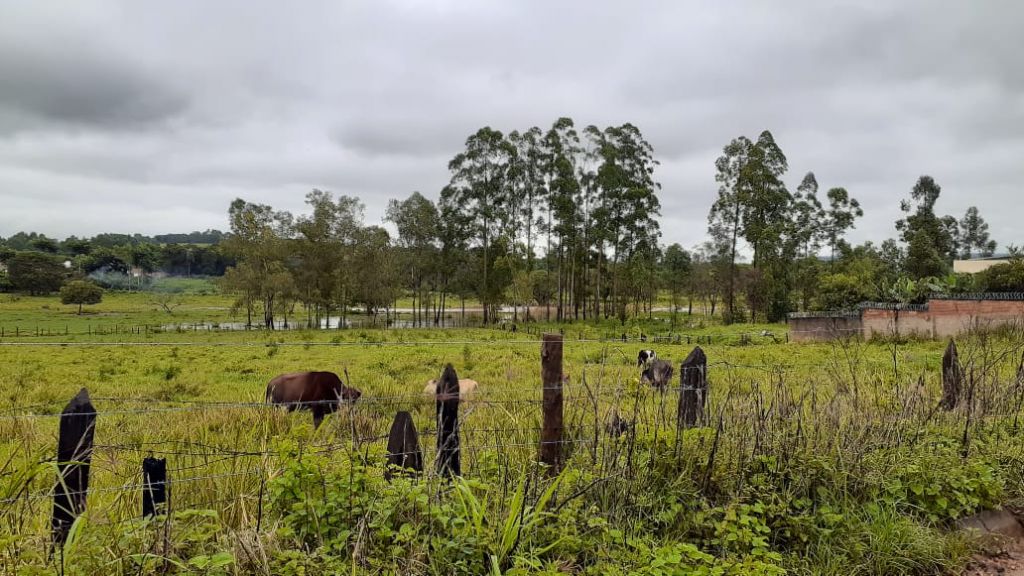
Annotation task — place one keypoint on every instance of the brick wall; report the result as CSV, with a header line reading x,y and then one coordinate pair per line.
x,y
821,328
876,322
943,318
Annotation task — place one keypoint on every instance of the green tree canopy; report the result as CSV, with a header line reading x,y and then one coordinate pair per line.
x,y
35,272
1007,277
974,236
80,292
842,291
931,245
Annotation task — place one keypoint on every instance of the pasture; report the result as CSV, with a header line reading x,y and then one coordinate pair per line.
x,y
828,458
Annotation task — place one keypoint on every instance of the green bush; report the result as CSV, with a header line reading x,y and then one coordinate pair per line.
x,y
842,292
1007,277
936,484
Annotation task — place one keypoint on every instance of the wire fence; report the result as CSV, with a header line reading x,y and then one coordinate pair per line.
x,y
496,397
598,412
734,338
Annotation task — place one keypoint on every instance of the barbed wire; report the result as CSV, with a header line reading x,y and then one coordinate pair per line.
x,y
463,446
676,339
478,397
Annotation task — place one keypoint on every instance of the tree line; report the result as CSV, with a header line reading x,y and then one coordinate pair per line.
x,y
38,264
564,220
557,224
787,232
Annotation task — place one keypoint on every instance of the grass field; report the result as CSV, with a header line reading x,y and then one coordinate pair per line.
x,y
815,458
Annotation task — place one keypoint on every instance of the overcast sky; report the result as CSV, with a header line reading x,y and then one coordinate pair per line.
x,y
152,116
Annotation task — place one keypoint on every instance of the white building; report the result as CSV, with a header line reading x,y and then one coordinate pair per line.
x,y
975,265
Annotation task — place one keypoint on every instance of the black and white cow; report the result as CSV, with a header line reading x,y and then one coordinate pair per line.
x,y
644,357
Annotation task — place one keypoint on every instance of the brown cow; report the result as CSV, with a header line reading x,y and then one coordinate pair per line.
x,y
319,392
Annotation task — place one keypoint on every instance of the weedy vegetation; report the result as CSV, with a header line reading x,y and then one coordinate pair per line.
x,y
826,458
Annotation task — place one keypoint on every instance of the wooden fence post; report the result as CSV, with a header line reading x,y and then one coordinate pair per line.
x,y
154,486
74,452
447,391
551,444
952,377
403,447
693,383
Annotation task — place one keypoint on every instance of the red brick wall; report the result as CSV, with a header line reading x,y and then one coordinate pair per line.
x,y
944,318
821,329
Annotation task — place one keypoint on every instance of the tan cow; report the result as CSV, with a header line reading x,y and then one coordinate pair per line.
x,y
466,387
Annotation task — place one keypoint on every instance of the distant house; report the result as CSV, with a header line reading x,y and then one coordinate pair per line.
x,y
975,265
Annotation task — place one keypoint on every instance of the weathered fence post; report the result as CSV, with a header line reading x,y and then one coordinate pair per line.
x,y
952,377
551,444
74,452
693,383
447,391
403,447
154,486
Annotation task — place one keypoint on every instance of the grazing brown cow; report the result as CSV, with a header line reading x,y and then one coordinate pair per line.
x,y
319,392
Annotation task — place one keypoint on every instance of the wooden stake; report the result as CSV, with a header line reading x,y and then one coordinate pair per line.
x,y
448,459
952,377
403,447
551,441
693,382
74,453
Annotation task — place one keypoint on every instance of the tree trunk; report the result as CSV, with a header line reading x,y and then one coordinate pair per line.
x,y
732,264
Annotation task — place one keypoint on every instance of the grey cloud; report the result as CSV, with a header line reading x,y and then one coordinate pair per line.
x,y
160,114
83,89
394,135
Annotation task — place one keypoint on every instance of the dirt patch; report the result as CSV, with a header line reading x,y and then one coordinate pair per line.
x,y
1008,561
1004,542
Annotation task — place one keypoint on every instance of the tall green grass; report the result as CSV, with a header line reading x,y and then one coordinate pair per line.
x,y
827,458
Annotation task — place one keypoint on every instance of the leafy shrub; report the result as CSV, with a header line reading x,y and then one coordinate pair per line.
x,y
1007,277
842,292
396,525
650,558
939,486
738,530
